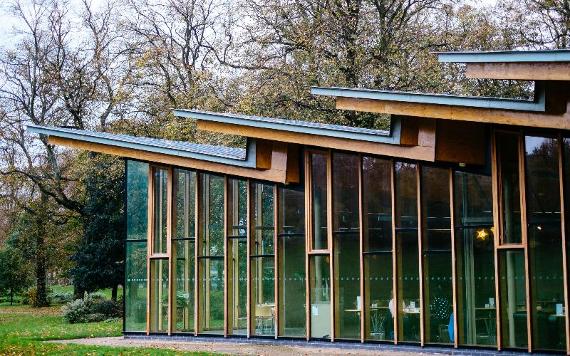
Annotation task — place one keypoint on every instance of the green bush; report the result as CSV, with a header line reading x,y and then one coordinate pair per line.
x,y
30,296
90,309
60,297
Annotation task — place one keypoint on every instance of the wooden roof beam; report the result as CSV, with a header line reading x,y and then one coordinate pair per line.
x,y
519,71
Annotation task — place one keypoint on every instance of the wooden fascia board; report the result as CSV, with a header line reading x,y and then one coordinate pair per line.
x,y
519,71
420,152
277,173
494,116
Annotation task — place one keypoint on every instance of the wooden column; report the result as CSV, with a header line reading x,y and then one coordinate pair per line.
x,y
197,247
562,180
497,232
226,260
150,226
420,252
276,198
248,262
170,230
394,252
363,303
330,244
453,257
308,243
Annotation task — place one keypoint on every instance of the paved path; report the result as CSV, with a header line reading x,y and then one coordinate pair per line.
x,y
237,348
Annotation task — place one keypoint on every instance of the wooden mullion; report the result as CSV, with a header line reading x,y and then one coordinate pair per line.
x,y
394,247
197,245
276,259
562,182
170,221
248,259
363,303
308,238
524,231
150,231
420,251
453,257
226,260
497,206
330,245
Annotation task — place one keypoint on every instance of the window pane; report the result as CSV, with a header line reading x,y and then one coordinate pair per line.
x,y
513,298
185,195
508,161
476,319
263,295
319,200
160,204
212,295
292,317
237,255
545,243
320,294
183,251
407,252
137,200
263,226
436,224
377,220
135,286
346,245
159,295
213,215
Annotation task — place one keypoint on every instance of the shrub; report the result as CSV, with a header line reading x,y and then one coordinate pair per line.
x,y
61,297
90,309
30,297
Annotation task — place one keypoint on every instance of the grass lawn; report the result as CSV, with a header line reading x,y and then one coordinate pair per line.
x,y
22,330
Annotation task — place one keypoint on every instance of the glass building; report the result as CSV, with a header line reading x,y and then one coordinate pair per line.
x,y
448,229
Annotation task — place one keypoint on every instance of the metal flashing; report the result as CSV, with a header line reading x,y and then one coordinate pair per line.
x,y
218,154
541,56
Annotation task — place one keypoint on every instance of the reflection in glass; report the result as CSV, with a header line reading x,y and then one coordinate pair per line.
x,y
545,243
508,162
291,250
137,200
160,207
159,295
408,306
183,245
377,225
474,239
262,260
512,285
319,200
346,244
320,295
135,286
211,263
436,224
237,256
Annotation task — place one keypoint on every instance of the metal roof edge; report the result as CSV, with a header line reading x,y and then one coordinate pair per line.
x,y
336,131
537,56
438,99
91,137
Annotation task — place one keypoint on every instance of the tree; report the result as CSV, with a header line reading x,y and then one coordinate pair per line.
x,y
14,273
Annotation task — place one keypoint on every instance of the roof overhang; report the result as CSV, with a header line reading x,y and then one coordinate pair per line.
x,y
260,160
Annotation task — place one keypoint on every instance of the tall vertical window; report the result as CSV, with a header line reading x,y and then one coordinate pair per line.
x,y
475,261
262,259
512,288
346,246
237,257
377,248
211,254
436,235
319,187
183,250
408,306
136,246
160,202
509,186
159,295
320,294
545,243
291,259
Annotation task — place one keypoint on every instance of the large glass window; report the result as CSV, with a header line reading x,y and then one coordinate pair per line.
x,y
320,294
291,254
512,288
475,262
346,246
237,257
211,264
136,246
377,248
159,295
183,250
408,307
262,259
319,186
509,189
545,243
436,234
160,210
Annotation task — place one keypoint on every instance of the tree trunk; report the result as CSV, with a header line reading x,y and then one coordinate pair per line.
x,y
114,293
11,296
41,260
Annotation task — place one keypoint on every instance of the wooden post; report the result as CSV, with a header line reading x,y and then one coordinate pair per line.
x,y
276,258
226,260
495,169
394,252
308,244
330,244
453,257
363,303
420,252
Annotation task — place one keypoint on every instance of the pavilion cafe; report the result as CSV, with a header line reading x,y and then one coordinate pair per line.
x,y
447,229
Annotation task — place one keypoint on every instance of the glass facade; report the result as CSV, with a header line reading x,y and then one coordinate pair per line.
x,y
364,248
